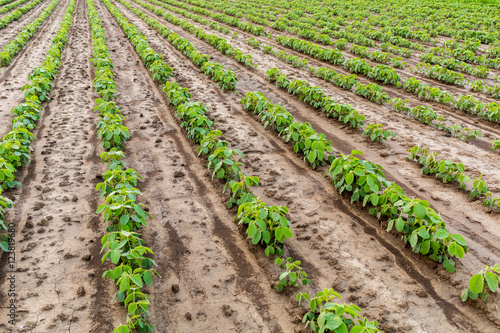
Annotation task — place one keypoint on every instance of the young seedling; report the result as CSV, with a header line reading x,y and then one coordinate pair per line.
x,y
482,283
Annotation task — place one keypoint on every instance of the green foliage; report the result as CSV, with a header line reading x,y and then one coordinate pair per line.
x,y
482,283
419,225
327,316
377,133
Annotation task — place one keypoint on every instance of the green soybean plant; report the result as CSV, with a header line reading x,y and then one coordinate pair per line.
x,y
482,283
325,315
377,133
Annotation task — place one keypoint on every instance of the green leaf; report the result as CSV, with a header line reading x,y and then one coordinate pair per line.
x,y
356,152
476,283
139,211
124,219
425,247
115,256
4,246
349,178
424,234
491,280
261,224
333,322
287,232
413,239
460,239
262,215
420,211
123,329
124,285
459,251
312,156
137,280
100,208
442,233
452,249
147,277
132,307
400,223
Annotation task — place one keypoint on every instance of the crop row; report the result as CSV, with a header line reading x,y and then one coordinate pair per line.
x,y
373,93
15,46
122,212
4,2
378,56
16,14
232,21
316,149
15,148
225,78
12,5
428,225
467,56
218,43
454,64
467,103
394,34
449,172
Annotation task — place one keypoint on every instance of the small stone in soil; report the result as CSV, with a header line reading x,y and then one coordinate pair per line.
x,y
81,291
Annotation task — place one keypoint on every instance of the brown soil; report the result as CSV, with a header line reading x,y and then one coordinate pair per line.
x,y
213,279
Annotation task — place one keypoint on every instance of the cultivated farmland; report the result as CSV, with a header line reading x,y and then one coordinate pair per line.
x,y
249,166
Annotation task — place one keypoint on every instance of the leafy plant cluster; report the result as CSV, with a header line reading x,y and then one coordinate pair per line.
x,y
329,74
123,214
449,171
479,283
305,140
421,226
372,92
15,46
12,5
378,56
325,315
426,115
317,99
196,18
291,59
377,133
454,64
332,56
381,73
441,74
232,21
218,43
4,2
467,56
388,47
15,147
225,78
16,14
